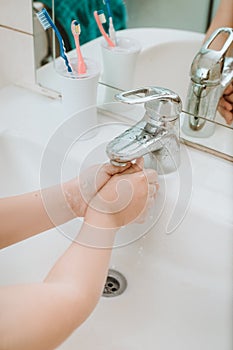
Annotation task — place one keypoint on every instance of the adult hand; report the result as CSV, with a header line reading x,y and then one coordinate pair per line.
x,y
225,106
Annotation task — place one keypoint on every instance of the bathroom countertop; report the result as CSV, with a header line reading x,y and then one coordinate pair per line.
x,y
23,112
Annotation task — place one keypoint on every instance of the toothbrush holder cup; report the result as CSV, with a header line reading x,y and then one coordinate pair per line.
x,y
79,91
119,62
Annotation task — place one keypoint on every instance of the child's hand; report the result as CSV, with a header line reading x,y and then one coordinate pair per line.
x,y
125,198
81,190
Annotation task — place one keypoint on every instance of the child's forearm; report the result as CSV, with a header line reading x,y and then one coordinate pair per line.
x,y
26,215
42,315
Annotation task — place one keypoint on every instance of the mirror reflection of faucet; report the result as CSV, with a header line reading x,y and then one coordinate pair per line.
x,y
211,72
156,136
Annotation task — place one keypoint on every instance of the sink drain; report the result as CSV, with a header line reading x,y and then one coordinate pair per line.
x,y
115,284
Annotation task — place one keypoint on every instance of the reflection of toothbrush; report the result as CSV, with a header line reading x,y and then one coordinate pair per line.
x,y
46,22
76,30
111,30
107,3
100,18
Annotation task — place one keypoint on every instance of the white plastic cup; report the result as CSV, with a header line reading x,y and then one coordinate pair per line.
x,y
79,91
119,62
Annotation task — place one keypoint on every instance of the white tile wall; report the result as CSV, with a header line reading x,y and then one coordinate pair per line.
x,y
16,58
17,44
17,14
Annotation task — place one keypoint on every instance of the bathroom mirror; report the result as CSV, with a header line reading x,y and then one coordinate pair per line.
x,y
184,15
179,14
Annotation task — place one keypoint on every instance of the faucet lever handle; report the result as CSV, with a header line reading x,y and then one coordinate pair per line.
x,y
226,44
148,94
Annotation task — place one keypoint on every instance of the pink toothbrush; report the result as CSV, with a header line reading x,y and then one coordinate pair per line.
x,y
76,30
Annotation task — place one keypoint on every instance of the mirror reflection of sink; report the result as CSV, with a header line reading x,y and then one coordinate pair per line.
x,y
179,273
165,60
167,63
165,57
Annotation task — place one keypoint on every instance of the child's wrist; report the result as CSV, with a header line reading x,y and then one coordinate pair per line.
x,y
101,220
74,198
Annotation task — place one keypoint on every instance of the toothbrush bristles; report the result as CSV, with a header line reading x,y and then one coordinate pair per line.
x,y
43,20
77,27
47,22
101,16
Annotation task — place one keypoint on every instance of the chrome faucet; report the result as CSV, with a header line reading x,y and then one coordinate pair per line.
x,y
156,135
211,72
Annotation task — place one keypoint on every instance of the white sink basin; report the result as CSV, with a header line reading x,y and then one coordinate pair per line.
x,y
20,164
179,273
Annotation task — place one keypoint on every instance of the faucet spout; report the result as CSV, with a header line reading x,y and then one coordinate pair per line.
x,y
134,143
156,134
211,72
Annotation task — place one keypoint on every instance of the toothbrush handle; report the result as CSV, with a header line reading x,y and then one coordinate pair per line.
x,y
62,49
108,8
102,31
81,63
112,33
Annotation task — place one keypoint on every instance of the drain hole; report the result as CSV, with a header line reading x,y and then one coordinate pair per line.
x,y
115,284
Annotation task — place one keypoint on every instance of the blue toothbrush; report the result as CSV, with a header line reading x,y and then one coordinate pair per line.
x,y
107,3
46,22
111,31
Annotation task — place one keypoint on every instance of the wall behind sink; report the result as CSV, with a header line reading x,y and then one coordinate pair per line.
x,y
179,14
17,43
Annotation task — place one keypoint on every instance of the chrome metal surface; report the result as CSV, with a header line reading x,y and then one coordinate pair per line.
x,y
157,133
146,94
115,284
211,73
